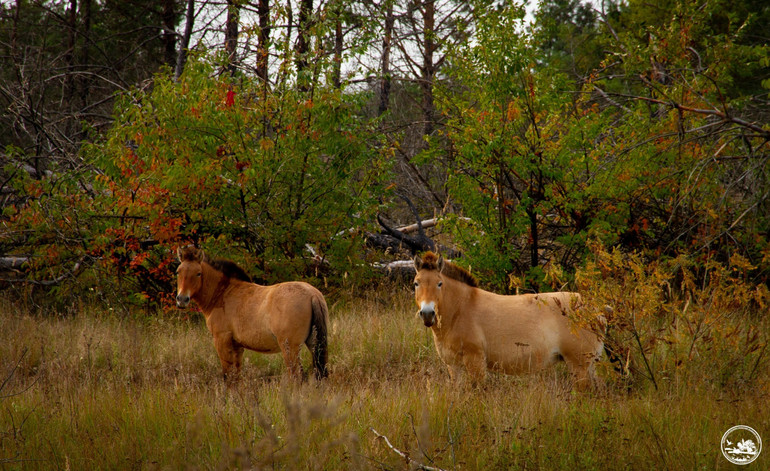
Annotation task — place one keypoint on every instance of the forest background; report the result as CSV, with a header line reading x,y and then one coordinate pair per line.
x,y
617,148
295,138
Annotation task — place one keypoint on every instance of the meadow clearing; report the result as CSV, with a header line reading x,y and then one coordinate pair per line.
x,y
101,389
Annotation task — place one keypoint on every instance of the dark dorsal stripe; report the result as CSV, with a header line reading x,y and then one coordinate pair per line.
x,y
430,262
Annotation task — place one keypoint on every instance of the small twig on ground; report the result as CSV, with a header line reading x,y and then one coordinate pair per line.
x,y
403,455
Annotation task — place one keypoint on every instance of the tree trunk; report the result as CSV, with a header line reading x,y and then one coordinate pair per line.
x,y
231,35
184,43
533,254
303,43
338,45
168,16
85,57
385,78
263,39
428,68
69,55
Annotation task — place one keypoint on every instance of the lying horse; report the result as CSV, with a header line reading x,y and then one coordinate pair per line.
x,y
478,330
241,314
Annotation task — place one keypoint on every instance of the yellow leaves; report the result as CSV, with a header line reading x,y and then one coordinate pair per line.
x,y
740,263
554,276
515,283
513,112
670,315
266,144
766,255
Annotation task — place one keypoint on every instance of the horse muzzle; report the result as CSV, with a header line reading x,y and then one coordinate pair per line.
x,y
182,300
428,314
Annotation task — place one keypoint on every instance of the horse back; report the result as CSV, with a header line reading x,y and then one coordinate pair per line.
x,y
261,317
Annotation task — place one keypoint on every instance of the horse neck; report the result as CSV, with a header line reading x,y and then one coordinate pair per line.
x,y
213,284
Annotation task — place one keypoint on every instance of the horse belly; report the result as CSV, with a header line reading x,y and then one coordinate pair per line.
x,y
519,361
253,332
262,342
520,351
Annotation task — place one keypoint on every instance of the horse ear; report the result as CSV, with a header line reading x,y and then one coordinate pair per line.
x,y
179,253
417,262
202,255
440,263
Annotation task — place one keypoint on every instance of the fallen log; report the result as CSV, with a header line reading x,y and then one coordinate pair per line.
x,y
13,262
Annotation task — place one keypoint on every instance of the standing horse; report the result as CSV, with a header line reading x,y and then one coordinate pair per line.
x,y
241,314
478,330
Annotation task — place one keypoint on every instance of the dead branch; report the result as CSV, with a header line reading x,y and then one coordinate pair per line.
x,y
403,455
76,270
418,243
426,224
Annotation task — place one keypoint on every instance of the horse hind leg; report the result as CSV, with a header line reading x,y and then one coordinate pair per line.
x,y
290,353
583,371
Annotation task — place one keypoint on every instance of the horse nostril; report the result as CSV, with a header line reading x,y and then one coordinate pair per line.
x,y
182,300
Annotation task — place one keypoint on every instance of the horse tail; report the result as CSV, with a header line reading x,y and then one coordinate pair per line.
x,y
317,338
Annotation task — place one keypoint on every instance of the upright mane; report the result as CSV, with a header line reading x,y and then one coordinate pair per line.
x,y
431,261
228,268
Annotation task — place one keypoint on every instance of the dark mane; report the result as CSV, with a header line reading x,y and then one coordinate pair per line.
x,y
430,261
229,269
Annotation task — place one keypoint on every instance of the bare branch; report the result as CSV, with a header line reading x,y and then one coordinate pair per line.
x,y
403,455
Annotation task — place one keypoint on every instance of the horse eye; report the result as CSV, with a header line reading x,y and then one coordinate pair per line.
x,y
416,284
198,275
440,283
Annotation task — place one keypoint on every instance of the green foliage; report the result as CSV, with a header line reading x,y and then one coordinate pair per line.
x,y
257,177
643,127
648,155
508,173
566,31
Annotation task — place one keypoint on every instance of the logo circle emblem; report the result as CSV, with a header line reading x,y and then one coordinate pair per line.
x,y
741,444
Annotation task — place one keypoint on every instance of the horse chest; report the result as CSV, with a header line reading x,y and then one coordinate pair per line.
x,y
452,348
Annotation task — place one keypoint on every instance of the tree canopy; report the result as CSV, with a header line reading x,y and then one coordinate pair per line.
x,y
292,137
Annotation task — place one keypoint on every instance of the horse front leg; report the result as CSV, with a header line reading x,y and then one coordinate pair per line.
x,y
230,356
467,365
476,365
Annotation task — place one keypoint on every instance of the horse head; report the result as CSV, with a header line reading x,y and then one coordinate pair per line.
x,y
427,287
188,274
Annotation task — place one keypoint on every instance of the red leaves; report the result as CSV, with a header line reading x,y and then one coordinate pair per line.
x,y
230,98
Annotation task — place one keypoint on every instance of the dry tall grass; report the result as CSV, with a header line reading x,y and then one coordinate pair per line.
x,y
95,391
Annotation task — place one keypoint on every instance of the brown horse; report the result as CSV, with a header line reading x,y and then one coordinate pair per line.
x,y
478,330
241,314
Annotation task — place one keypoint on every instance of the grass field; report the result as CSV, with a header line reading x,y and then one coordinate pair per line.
x,y
98,390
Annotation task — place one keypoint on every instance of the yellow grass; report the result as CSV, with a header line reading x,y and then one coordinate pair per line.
x,y
96,391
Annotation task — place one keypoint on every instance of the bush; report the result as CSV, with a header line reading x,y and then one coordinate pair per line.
x,y
675,322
